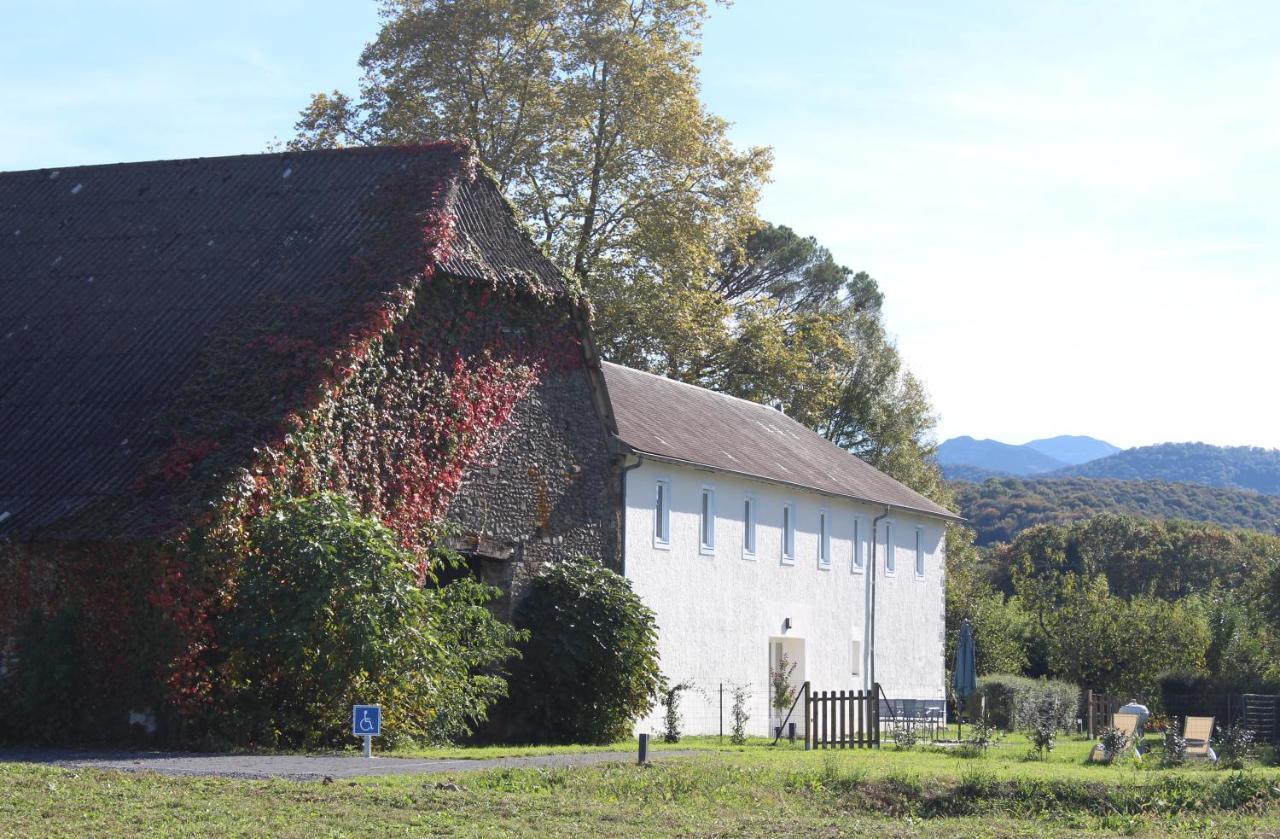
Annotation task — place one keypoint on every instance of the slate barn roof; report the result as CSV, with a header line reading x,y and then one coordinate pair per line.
x,y
116,279
684,423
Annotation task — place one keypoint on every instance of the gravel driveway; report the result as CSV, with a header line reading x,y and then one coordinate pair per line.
x,y
300,767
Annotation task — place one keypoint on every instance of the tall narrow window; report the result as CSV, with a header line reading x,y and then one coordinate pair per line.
x,y
824,540
920,553
662,514
749,527
788,534
858,556
890,561
855,653
708,529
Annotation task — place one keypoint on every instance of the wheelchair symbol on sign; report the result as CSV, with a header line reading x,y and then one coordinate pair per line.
x,y
366,720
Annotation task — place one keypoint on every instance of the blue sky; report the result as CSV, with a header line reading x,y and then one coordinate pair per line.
x,y
1072,207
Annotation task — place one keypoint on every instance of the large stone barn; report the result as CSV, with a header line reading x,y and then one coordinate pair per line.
x,y
180,341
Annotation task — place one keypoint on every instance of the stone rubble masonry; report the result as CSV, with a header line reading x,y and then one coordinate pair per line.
x,y
551,490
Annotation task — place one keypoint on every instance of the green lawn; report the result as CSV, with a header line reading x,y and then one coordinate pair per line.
x,y
753,791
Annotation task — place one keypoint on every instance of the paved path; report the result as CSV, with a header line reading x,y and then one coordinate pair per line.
x,y
301,767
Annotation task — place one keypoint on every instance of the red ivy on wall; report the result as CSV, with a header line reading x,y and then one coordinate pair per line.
x,y
387,396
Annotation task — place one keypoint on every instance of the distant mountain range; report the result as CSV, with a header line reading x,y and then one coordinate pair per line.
x,y
1237,467
1073,449
960,456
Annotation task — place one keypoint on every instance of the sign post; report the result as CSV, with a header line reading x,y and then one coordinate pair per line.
x,y
366,722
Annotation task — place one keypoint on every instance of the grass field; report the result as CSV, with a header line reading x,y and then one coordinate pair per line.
x,y
719,791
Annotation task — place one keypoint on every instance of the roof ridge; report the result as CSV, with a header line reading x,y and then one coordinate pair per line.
x,y
462,148
721,394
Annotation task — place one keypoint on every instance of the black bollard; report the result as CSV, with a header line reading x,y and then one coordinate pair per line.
x,y
644,749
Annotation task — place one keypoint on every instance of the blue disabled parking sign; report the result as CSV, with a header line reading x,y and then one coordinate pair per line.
x,y
366,723
366,720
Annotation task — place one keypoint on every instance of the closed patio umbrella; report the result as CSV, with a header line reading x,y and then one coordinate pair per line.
x,y
964,681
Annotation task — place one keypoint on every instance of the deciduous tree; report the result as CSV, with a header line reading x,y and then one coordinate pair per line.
x,y
588,113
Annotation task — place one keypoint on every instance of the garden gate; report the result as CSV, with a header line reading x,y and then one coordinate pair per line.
x,y
843,719
1260,713
1100,708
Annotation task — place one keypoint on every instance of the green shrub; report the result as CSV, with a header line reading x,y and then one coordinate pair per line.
x,y
738,734
1175,745
782,691
906,737
1017,702
981,736
1114,742
590,667
327,613
1041,713
671,712
1233,747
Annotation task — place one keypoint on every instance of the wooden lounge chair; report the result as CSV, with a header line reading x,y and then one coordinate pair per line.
x,y
1197,731
1128,723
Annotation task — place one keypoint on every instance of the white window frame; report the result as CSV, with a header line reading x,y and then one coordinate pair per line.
x,y
788,533
919,553
890,555
749,533
824,539
707,521
662,514
858,560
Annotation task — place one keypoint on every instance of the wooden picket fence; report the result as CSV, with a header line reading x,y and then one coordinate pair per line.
x,y
1100,709
844,719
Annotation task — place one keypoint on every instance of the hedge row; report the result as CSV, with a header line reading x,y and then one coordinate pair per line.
x,y
1009,699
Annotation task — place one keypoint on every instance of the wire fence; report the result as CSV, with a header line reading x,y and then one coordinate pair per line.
x,y
707,707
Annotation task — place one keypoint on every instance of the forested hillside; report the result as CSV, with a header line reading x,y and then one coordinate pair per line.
x,y
1000,508
965,472
1117,603
1242,467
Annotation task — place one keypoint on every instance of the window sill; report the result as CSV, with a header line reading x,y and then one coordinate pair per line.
x,y
824,566
749,556
788,560
703,550
858,569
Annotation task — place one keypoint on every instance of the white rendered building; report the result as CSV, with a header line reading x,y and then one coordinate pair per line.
x,y
752,537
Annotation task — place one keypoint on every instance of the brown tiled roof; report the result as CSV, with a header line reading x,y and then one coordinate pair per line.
x,y
115,280
684,423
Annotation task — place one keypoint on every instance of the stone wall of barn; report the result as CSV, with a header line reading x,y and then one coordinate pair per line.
x,y
549,489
